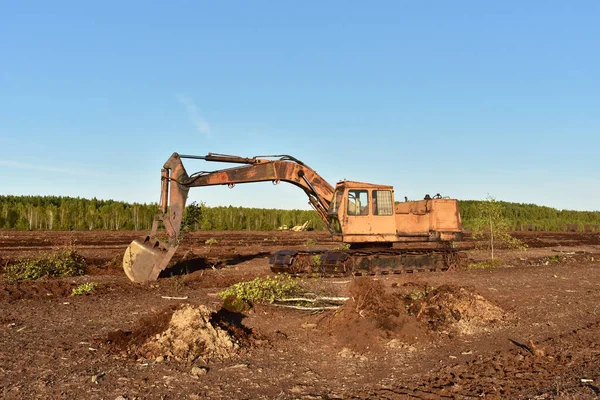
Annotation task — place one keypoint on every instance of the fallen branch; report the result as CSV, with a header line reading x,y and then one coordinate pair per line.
x,y
571,252
307,308
174,298
316,299
523,346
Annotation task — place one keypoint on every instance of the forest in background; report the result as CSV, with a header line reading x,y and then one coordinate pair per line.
x,y
68,213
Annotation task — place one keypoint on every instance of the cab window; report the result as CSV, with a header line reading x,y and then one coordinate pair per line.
x,y
358,202
382,202
335,204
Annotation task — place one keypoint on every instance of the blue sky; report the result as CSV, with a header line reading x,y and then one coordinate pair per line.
x,y
463,98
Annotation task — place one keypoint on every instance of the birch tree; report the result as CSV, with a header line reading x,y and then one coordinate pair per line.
x,y
492,227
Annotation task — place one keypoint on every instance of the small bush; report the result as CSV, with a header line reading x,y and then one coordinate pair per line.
x,y
262,289
419,294
211,241
342,246
414,299
233,304
59,264
84,288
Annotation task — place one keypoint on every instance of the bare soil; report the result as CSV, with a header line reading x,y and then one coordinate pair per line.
x,y
527,329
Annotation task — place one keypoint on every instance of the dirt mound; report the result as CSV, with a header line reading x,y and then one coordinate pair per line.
x,y
456,309
408,313
184,333
373,301
144,329
372,316
190,335
12,291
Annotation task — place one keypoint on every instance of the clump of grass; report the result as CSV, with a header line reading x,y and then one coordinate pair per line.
x,y
493,263
342,246
262,289
413,300
418,294
310,242
317,260
84,288
59,264
211,241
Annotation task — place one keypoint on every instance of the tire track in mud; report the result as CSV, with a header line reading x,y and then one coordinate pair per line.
x,y
554,366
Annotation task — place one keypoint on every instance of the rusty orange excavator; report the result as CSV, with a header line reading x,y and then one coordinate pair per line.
x,y
380,236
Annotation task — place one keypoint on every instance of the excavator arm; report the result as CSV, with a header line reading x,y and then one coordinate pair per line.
x,y
146,257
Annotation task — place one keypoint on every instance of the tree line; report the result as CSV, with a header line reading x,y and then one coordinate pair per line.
x,y
68,213
522,217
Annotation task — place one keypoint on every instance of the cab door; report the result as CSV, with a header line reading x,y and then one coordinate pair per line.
x,y
369,216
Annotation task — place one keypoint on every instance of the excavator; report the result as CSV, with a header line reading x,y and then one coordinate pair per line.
x,y
376,234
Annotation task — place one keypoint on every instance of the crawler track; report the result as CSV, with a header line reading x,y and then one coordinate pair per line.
x,y
365,261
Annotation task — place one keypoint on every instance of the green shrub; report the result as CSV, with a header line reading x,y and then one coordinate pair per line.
x,y
84,288
262,289
211,241
61,263
419,294
342,246
413,301
233,304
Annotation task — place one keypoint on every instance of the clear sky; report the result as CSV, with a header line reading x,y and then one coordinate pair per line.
x,y
463,98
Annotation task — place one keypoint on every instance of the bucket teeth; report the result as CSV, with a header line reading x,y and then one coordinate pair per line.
x,y
145,258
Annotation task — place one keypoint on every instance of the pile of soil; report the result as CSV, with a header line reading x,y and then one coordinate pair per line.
x,y
191,335
457,309
373,315
183,333
410,313
12,291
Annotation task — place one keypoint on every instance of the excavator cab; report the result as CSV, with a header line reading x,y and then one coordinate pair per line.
x,y
365,213
362,213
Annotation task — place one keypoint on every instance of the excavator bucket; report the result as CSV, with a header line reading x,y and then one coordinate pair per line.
x,y
145,258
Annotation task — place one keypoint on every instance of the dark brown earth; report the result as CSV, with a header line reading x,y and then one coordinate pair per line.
x,y
527,329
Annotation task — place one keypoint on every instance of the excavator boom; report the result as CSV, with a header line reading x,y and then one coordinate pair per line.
x,y
146,257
